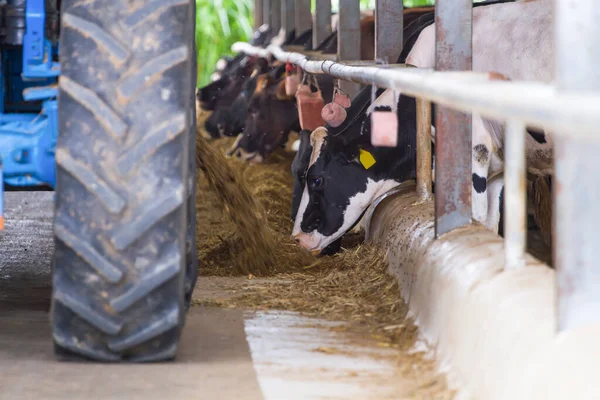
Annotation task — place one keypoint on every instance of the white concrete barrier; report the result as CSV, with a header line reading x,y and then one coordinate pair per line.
x,y
492,331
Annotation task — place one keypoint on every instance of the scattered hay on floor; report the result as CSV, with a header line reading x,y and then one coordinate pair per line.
x,y
350,286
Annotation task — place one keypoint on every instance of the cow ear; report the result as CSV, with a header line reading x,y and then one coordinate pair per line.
x,y
305,146
263,65
261,83
280,92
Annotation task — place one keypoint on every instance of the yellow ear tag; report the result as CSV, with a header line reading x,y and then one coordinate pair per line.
x,y
366,159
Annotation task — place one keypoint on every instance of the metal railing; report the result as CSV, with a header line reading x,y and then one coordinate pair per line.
x,y
570,109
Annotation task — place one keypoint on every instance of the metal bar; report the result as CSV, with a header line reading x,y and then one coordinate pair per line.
x,y
575,184
258,14
453,26
515,195
322,27
566,114
303,16
266,12
389,25
349,38
288,16
276,16
423,149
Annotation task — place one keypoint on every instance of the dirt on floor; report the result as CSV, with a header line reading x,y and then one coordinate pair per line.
x,y
351,286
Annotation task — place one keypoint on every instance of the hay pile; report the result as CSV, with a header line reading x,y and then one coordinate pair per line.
x,y
255,250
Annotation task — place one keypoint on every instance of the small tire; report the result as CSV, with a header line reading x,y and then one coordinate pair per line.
x,y
123,187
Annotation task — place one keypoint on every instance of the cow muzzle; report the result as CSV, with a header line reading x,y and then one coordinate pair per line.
x,y
309,241
251,158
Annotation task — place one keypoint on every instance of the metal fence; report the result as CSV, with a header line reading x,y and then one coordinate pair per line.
x,y
570,109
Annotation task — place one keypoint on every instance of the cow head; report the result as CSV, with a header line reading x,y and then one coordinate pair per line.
x,y
270,117
299,167
345,174
229,120
223,91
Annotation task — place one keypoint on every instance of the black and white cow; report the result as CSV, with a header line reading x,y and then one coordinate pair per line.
x,y
345,173
339,187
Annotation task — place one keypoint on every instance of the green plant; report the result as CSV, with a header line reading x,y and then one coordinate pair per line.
x,y
219,24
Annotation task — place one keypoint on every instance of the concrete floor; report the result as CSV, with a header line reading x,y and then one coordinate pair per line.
x,y
214,360
224,354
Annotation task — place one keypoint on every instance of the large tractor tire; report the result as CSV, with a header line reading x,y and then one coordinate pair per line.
x,y
192,256
125,180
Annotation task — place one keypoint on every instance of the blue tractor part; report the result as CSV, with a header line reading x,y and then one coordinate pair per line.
x,y
29,72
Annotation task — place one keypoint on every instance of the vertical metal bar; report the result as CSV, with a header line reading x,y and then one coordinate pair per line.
x,y
349,38
515,199
453,29
275,16
423,149
303,16
389,23
258,14
266,12
322,27
288,16
577,167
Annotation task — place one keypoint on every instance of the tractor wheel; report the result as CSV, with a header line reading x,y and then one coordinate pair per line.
x,y
191,275
123,179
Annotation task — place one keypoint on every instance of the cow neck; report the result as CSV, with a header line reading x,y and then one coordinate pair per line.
x,y
303,38
291,36
326,41
357,109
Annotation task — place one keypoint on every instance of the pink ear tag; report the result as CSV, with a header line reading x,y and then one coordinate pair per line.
x,y
384,129
291,85
334,113
384,126
341,98
310,106
291,80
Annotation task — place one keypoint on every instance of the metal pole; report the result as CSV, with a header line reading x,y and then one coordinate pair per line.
x,y
267,12
515,198
575,184
288,16
423,149
322,27
303,16
453,24
276,16
349,38
258,13
539,105
389,23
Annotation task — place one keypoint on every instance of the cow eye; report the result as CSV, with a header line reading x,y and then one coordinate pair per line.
x,y
316,182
